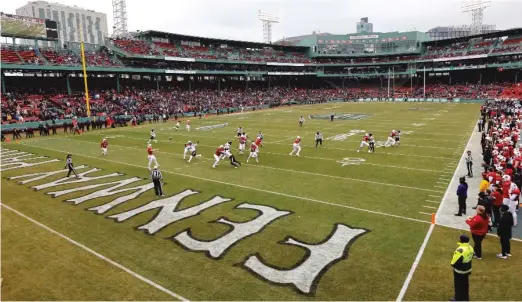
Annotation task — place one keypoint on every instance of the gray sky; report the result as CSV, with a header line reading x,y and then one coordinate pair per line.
x,y
238,19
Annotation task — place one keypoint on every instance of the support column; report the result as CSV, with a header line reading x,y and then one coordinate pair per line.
x,y
190,83
118,83
157,82
4,89
68,82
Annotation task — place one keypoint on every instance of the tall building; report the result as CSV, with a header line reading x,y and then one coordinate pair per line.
x,y
69,20
364,27
449,32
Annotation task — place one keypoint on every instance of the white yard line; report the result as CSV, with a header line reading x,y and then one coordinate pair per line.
x,y
429,207
112,262
430,230
240,186
432,201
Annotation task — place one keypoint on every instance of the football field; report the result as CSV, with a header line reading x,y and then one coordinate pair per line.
x,y
331,224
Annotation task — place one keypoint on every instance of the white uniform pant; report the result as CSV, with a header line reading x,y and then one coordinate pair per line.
x,y
152,159
188,128
217,158
241,147
363,143
513,209
296,149
390,141
252,155
104,151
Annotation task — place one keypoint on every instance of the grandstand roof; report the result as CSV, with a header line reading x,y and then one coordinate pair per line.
x,y
154,33
500,33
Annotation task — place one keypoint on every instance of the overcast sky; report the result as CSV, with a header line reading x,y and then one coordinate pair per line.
x,y
238,19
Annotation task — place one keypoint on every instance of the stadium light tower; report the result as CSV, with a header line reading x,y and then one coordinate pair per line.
x,y
119,15
268,20
476,8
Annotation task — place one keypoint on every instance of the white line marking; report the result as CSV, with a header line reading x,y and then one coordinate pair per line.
x,y
434,196
432,201
430,230
116,264
426,214
439,187
240,186
430,207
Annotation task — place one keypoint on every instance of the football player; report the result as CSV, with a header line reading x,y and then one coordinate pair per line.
x,y
365,142
296,146
254,149
217,155
192,150
104,146
242,142
187,126
152,136
301,121
151,156
391,139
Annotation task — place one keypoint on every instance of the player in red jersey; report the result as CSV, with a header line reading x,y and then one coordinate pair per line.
x,y
217,155
187,126
365,142
254,149
242,142
259,141
151,156
391,139
104,145
297,146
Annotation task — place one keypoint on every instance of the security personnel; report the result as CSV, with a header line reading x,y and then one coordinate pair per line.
x,y
461,263
157,178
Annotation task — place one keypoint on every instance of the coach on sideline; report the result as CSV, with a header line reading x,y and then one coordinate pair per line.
x,y
157,178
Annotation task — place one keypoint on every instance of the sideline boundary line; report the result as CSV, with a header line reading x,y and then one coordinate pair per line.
x,y
413,268
114,263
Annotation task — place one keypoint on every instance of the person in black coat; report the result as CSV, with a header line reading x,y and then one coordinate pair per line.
x,y
504,231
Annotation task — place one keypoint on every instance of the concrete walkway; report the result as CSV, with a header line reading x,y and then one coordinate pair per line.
x,y
449,206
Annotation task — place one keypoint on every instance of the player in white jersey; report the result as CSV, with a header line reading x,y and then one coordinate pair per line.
x,y
242,143
391,139
192,150
296,146
152,136
301,121
226,150
240,131
187,149
177,126
187,126
254,149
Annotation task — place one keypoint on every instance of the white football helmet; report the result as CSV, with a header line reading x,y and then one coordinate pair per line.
x,y
149,145
506,178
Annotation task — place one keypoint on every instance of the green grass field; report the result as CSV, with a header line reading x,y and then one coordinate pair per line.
x,y
287,228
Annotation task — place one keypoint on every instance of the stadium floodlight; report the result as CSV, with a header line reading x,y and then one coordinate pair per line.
x,y
476,8
268,20
119,15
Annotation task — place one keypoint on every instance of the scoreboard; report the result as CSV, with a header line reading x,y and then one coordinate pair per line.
x,y
27,27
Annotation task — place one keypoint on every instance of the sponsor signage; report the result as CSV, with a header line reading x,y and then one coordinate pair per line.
x,y
291,73
116,189
364,37
460,58
285,64
180,59
180,71
342,116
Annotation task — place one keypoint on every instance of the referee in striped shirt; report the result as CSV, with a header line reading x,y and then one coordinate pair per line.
x,y
469,164
69,165
157,178
318,139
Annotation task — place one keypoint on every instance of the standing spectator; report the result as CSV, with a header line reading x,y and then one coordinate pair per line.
x,y
461,263
497,203
469,164
462,194
478,225
484,183
504,232
479,125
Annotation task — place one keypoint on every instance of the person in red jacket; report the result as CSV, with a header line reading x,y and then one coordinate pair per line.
x,y
497,203
478,226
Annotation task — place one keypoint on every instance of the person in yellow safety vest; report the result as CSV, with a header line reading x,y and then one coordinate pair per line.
x,y
461,263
